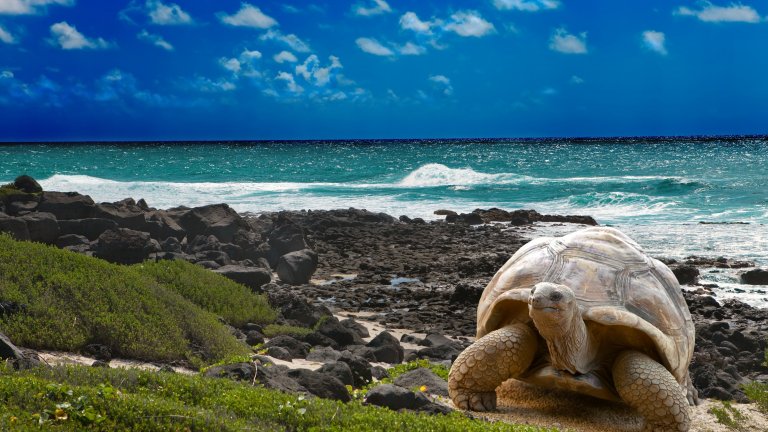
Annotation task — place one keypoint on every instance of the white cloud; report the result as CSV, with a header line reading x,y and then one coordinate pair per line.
x,y
291,40
154,39
248,16
442,84
290,83
207,85
68,38
575,79
29,7
735,12
469,23
526,5
313,73
119,86
440,79
372,46
564,42
6,36
6,74
654,41
549,91
411,21
243,65
231,64
411,48
285,56
379,7
167,14
248,55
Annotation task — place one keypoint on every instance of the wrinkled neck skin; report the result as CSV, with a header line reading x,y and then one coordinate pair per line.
x,y
570,345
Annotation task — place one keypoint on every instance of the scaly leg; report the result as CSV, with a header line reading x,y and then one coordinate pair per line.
x,y
647,386
501,354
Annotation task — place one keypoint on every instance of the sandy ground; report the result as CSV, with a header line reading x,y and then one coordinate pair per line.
x,y
524,404
518,402
521,403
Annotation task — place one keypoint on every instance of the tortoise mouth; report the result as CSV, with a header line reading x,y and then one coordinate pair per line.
x,y
543,308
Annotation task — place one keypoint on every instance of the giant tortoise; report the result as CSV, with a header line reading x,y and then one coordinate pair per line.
x,y
588,312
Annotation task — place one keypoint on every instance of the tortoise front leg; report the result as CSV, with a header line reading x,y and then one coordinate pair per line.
x,y
647,386
501,354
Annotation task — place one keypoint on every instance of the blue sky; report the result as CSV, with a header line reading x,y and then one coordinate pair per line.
x,y
164,70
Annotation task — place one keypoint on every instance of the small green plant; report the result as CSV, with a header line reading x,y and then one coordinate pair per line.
x,y
437,369
273,330
729,416
238,358
10,190
758,393
129,399
398,370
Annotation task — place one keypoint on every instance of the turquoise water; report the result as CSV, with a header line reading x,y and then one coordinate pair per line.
x,y
656,190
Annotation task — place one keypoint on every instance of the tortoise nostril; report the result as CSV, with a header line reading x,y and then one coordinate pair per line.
x,y
556,296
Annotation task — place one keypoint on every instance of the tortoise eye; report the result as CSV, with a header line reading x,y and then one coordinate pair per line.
x,y
533,290
556,296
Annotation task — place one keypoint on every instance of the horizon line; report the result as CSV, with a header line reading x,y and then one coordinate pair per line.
x,y
485,140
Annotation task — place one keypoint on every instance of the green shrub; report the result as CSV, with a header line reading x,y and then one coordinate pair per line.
x,y
72,300
273,330
758,393
729,416
212,292
129,399
438,369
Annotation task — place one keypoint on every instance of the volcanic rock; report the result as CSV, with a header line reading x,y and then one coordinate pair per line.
x,y
755,277
91,228
423,377
253,278
27,184
297,268
123,246
322,385
67,205
395,397
16,227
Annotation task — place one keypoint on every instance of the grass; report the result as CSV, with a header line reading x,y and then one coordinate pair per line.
x,y
758,393
10,189
273,330
728,416
82,398
73,300
438,369
212,292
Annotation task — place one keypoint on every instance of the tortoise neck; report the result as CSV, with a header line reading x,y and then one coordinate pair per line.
x,y
570,345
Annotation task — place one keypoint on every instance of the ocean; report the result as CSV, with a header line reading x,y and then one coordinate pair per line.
x,y
676,196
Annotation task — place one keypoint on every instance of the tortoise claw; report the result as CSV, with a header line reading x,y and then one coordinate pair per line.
x,y
475,401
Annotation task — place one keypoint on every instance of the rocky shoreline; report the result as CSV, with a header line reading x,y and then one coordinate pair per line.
x,y
402,272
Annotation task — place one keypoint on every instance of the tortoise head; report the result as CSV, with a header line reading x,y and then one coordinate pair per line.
x,y
553,308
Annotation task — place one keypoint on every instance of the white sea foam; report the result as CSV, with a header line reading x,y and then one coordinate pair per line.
x,y
270,196
612,207
253,196
434,174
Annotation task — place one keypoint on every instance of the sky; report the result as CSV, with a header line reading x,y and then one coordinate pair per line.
x,y
231,70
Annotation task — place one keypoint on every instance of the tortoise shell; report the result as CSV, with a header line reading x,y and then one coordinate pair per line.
x,y
620,290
